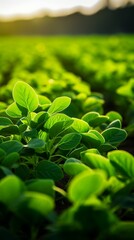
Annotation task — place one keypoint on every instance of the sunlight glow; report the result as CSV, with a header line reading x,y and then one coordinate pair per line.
x,y
29,8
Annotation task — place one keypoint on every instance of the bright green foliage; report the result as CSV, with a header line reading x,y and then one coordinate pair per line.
x,y
123,162
85,185
25,96
59,104
61,174
11,188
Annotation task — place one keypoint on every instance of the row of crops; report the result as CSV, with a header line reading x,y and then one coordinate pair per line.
x,y
66,138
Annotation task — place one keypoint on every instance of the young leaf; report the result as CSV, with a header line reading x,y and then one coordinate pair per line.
x,y
59,104
4,121
35,143
98,162
47,169
11,146
73,167
25,96
69,141
59,117
45,186
10,159
114,135
13,111
86,184
59,127
11,187
80,125
123,162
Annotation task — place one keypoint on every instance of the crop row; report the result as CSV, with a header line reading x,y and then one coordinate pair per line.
x,y
61,173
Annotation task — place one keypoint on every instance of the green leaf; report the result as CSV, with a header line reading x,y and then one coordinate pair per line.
x,y
73,166
95,119
47,169
11,187
11,146
114,135
4,121
11,159
59,127
25,96
114,116
69,141
97,161
91,140
90,117
13,111
98,135
59,104
45,186
59,117
115,123
86,184
35,143
123,162
80,125
33,206
9,130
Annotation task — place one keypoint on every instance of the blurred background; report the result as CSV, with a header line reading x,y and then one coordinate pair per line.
x,y
68,17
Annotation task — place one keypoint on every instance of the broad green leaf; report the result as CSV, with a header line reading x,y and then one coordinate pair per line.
x,y
99,135
10,159
69,141
25,96
10,130
115,123
80,125
35,143
97,161
91,140
45,186
98,121
59,104
106,147
123,162
73,167
11,146
86,184
11,187
13,111
49,170
43,100
33,206
59,127
114,135
59,117
114,116
4,121
90,117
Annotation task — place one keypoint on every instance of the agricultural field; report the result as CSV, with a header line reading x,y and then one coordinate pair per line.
x,y
66,138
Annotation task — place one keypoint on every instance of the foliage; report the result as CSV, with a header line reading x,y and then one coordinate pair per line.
x,y
63,171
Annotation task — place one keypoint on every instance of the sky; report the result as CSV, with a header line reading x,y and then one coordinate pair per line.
x,y
16,9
